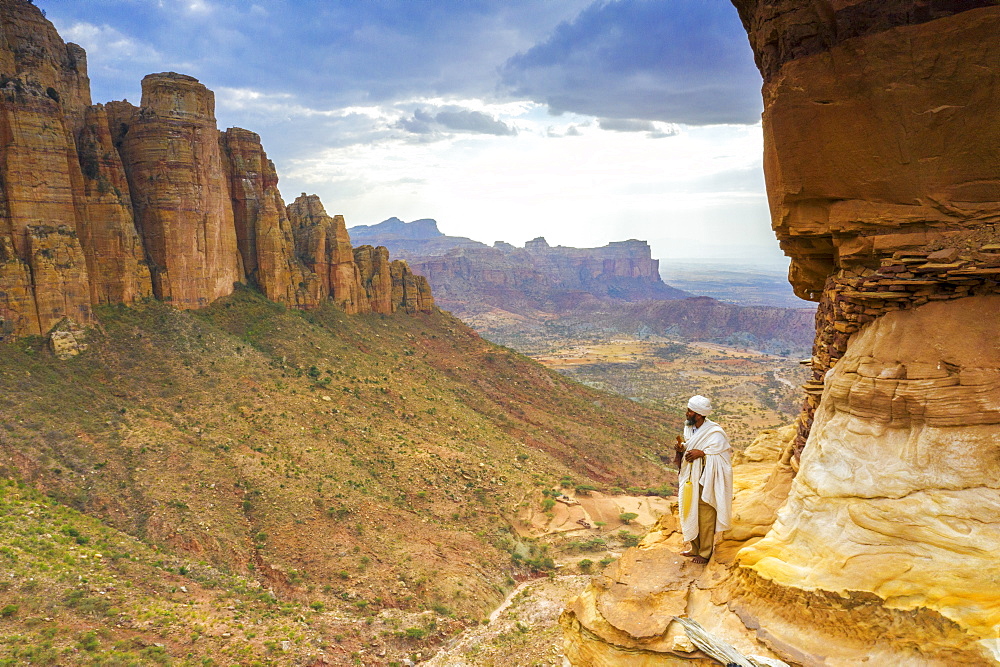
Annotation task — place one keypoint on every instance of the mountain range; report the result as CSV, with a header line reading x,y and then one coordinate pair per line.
x,y
521,296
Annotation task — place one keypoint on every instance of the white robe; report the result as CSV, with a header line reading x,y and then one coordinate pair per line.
x,y
714,472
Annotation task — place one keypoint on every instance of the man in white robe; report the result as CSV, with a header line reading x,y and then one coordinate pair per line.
x,y
705,489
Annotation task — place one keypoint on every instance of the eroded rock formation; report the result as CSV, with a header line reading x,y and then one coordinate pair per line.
x,y
264,232
461,269
884,183
171,153
114,203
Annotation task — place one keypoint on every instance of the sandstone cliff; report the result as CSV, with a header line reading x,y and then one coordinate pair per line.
x,y
359,280
872,538
115,203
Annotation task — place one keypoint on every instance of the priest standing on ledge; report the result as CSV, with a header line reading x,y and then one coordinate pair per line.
x,y
705,480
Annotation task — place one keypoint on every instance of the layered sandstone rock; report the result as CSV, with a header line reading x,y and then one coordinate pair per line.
x,y
17,294
879,126
882,175
322,244
180,192
59,272
115,256
115,203
410,292
43,93
263,231
359,280
898,493
33,56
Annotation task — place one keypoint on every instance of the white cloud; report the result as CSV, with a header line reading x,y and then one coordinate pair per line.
x,y
598,186
105,45
198,7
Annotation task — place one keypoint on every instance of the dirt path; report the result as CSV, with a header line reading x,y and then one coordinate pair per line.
x,y
523,630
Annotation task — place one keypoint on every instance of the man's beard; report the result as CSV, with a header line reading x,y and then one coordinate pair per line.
x,y
690,421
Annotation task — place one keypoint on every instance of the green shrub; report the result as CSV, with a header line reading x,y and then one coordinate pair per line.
x,y
89,641
627,538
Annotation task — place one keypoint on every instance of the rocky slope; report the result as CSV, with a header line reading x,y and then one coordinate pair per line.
x,y
114,203
364,472
872,537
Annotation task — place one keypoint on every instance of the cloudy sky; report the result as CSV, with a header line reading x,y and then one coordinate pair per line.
x,y
584,122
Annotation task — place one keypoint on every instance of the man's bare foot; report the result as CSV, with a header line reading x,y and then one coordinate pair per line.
x,y
698,560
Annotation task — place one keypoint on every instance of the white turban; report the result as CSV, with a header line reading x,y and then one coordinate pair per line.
x,y
701,405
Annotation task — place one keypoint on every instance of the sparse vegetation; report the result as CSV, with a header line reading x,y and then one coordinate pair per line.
x,y
249,496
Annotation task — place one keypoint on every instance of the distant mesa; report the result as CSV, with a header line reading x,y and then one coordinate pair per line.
x,y
425,228
460,268
419,237
614,289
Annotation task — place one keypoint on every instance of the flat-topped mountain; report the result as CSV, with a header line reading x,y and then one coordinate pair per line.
x,y
394,228
523,296
466,269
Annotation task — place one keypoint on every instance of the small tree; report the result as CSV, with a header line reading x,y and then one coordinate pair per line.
x,y
627,517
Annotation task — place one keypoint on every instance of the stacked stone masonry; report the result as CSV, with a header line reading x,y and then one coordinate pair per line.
x,y
116,203
859,295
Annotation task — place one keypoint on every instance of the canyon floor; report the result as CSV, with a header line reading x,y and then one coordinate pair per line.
x,y
751,390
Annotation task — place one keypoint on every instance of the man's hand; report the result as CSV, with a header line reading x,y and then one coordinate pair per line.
x,y
680,444
693,455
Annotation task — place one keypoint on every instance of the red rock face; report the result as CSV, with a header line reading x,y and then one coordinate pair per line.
x,y
880,148
59,270
113,203
33,55
180,193
114,252
17,295
376,278
879,124
324,247
44,90
263,230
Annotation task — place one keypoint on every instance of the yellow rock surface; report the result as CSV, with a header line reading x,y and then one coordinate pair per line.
x,y
898,494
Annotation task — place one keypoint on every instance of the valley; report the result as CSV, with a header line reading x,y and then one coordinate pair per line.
x,y
751,390
320,484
